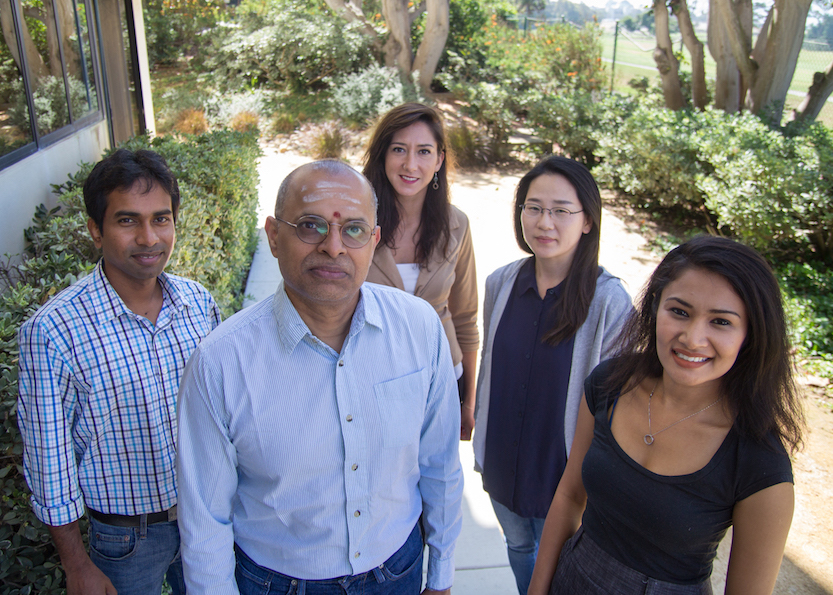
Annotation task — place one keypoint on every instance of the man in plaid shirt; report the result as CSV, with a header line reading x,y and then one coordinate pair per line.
x,y
100,366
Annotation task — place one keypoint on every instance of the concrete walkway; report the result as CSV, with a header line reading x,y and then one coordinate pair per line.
x,y
482,564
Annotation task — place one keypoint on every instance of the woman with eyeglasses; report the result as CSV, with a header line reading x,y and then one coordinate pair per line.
x,y
548,321
680,436
426,246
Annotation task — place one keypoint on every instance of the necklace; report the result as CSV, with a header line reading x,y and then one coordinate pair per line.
x,y
649,437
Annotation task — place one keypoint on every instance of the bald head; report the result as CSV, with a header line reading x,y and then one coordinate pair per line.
x,y
295,183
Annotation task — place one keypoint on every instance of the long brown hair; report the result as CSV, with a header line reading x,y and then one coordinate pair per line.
x,y
571,308
759,388
434,226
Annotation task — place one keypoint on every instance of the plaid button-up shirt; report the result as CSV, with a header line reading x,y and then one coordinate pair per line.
x,y
98,387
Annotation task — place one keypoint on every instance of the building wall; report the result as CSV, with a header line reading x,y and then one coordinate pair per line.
x,y
26,184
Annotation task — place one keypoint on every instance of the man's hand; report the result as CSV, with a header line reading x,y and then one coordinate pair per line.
x,y
89,580
433,592
83,577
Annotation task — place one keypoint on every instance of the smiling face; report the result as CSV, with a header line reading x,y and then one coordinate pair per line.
x,y
551,239
137,236
701,327
328,274
411,160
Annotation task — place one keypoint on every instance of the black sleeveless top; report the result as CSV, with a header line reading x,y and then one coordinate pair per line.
x,y
669,527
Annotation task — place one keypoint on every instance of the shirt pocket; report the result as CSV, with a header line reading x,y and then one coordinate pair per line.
x,y
401,404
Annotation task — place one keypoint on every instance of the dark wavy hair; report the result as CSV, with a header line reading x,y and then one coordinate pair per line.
x,y
759,388
120,171
570,310
434,226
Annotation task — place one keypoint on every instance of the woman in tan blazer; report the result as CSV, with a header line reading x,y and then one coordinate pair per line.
x,y
426,246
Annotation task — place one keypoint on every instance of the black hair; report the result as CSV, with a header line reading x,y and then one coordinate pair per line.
x,y
759,388
435,225
120,171
571,308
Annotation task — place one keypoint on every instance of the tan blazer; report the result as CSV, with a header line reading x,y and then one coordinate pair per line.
x,y
448,283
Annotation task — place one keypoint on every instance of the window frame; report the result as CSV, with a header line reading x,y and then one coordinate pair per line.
x,y
75,125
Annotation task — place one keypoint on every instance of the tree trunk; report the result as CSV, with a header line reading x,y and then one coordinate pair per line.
x,y
398,46
665,59
37,68
433,42
816,97
727,83
777,65
699,92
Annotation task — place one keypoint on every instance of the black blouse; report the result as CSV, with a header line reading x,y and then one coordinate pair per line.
x,y
525,451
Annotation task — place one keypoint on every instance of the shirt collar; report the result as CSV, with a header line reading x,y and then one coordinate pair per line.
x,y
526,278
292,329
109,305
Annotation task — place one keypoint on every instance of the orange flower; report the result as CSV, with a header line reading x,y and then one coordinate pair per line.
x,y
572,73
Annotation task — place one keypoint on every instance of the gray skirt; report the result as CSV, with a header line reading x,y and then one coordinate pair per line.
x,y
586,568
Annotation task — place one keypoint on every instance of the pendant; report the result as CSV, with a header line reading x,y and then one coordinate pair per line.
x,y
648,439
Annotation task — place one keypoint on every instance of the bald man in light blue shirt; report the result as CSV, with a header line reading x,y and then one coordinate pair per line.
x,y
317,427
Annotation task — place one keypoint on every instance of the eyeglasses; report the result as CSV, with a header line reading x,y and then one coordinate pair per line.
x,y
312,229
556,213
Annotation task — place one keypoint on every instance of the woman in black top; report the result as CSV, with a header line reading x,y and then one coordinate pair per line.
x,y
680,437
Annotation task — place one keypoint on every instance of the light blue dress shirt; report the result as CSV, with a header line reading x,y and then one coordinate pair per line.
x,y
98,388
318,464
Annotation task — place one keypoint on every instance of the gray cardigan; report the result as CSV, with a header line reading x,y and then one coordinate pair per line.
x,y
609,308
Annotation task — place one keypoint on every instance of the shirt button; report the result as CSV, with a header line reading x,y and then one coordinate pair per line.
x,y
354,467
515,443
357,554
523,385
534,323
527,356
520,413
341,363
358,513
349,418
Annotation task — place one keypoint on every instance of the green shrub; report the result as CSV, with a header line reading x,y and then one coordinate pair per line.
x,y
363,96
492,105
573,122
222,108
216,235
654,158
288,46
808,292
774,191
173,28
565,57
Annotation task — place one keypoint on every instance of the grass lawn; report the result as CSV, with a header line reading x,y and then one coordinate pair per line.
x,y
634,59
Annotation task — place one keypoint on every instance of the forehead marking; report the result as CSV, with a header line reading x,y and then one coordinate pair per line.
x,y
336,214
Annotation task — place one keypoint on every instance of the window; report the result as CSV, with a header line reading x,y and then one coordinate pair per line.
x,y
48,88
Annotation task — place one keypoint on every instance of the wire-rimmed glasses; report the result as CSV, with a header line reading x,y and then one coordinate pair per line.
x,y
312,229
535,211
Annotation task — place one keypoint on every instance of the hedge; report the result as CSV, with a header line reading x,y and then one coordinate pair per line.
x,y
216,237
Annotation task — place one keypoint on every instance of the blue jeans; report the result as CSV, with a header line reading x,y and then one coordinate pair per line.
x,y
522,537
401,574
137,559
